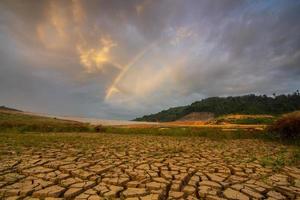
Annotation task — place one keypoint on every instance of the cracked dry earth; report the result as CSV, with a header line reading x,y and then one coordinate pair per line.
x,y
147,168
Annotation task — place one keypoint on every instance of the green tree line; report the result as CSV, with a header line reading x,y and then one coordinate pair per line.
x,y
247,104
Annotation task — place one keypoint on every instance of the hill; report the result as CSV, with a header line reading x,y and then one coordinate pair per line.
x,y
4,108
247,104
15,120
197,116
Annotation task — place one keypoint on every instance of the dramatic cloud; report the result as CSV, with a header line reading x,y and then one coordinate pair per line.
x,y
122,59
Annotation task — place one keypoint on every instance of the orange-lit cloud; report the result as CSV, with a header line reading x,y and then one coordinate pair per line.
x,y
93,59
51,33
57,18
78,11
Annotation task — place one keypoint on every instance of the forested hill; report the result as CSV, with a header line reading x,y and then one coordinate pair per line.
x,y
248,104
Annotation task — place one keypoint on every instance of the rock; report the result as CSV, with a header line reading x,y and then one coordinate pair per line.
x,y
114,191
134,192
150,197
37,170
176,195
252,193
13,198
237,186
233,194
297,183
82,173
99,169
95,197
211,197
215,177
132,184
132,198
52,191
155,185
189,189
287,191
175,187
161,180
72,192
210,184
275,195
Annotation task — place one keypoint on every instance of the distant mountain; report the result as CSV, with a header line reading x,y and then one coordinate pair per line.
x,y
4,108
248,104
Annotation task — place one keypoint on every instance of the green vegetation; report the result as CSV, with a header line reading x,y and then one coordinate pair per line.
x,y
37,140
260,120
279,160
248,104
212,133
19,122
276,162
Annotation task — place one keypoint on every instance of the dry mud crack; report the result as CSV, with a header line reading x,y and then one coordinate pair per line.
x,y
146,168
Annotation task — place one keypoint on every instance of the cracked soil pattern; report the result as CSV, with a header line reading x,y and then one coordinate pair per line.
x,y
146,168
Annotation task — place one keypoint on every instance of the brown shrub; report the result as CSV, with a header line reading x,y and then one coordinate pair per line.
x,y
99,128
288,126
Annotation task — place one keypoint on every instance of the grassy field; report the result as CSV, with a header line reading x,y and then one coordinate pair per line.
x,y
134,161
212,133
18,122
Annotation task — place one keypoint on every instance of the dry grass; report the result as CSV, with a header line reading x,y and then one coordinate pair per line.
x,y
288,126
248,116
11,121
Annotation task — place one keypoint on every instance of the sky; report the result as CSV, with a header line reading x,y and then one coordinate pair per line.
x,y
121,59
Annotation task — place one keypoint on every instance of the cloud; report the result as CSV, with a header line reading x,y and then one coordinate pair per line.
x,y
117,59
94,59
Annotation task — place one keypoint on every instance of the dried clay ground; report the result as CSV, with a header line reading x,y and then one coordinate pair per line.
x,y
116,166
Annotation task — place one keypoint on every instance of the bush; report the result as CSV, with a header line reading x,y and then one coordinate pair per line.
x,y
99,128
288,126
